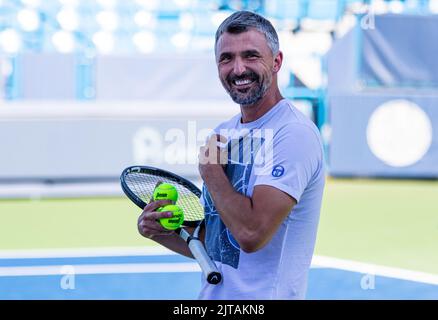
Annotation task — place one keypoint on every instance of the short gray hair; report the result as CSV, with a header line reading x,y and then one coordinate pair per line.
x,y
242,21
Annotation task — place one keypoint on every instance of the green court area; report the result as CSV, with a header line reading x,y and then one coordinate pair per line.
x,y
393,223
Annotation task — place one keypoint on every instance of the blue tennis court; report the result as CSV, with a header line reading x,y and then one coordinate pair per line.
x,y
169,276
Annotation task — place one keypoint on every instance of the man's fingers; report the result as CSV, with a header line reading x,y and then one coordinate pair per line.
x,y
211,139
151,231
203,151
156,204
216,140
153,226
151,207
154,215
203,155
221,139
149,227
215,151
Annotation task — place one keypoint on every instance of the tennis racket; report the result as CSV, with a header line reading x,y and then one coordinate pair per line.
x,y
139,182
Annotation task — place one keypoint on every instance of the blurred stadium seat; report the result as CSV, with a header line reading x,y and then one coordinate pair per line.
x,y
285,14
324,10
98,28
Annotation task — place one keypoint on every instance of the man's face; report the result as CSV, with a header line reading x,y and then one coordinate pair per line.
x,y
246,65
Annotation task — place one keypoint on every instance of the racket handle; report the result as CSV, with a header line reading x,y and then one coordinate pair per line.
x,y
208,267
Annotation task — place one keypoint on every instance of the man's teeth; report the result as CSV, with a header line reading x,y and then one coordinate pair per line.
x,y
242,82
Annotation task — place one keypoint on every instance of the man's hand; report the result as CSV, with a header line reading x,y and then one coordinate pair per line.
x,y
211,156
147,223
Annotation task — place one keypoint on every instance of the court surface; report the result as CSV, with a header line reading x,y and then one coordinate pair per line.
x,y
153,273
376,240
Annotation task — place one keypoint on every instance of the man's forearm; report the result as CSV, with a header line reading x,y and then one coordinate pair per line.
x,y
234,208
252,221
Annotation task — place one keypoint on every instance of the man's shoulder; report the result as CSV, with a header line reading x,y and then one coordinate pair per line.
x,y
293,121
290,114
295,129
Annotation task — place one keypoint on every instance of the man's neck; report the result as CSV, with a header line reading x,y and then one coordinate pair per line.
x,y
255,111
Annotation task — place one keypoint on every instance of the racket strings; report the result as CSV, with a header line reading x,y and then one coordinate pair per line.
x,y
143,186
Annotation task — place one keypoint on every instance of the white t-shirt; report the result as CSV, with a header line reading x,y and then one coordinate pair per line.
x,y
282,149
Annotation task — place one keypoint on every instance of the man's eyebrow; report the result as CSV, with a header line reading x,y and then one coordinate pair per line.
x,y
225,55
243,53
251,52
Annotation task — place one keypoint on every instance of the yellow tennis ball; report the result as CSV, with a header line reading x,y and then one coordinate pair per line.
x,y
175,220
166,191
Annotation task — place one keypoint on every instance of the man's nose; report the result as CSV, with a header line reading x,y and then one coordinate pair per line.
x,y
239,67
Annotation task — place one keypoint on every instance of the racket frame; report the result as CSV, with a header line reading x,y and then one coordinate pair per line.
x,y
196,246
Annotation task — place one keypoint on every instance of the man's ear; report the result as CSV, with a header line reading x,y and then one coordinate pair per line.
x,y
278,60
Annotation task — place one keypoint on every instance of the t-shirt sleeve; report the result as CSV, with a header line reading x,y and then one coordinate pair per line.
x,y
289,160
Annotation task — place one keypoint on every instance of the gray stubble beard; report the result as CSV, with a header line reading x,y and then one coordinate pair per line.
x,y
251,99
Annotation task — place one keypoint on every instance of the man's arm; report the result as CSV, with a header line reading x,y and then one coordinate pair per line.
x,y
252,221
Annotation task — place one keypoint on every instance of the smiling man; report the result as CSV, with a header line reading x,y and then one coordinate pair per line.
x,y
262,206
263,187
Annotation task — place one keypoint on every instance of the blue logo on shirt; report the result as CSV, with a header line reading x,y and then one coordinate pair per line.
x,y
278,171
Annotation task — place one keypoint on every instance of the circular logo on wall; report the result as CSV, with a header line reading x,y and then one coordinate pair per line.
x,y
399,133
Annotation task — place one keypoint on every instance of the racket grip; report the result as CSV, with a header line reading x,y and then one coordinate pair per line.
x,y
208,267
